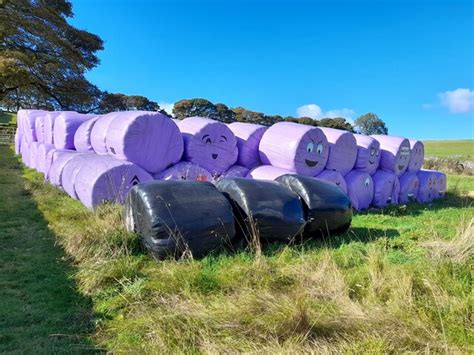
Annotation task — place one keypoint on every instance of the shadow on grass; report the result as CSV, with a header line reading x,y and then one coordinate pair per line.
x,y
41,310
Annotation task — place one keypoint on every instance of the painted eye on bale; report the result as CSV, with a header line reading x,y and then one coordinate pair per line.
x,y
310,147
206,139
372,152
367,182
320,148
377,152
223,139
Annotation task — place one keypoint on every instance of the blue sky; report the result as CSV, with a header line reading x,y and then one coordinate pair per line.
x,y
411,62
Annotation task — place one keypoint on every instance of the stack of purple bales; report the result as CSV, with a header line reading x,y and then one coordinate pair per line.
x,y
98,158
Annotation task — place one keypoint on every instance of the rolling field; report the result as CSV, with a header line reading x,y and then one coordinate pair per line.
x,y
75,280
460,149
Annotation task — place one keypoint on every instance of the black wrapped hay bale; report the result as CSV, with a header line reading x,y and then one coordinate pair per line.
x,y
328,210
177,217
265,208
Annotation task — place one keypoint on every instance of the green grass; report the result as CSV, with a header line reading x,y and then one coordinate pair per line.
x,y
7,117
460,149
399,280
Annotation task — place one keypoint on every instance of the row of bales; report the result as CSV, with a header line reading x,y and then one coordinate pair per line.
x,y
98,158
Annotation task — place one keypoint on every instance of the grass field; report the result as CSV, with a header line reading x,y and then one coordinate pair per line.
x,y
399,280
460,149
7,117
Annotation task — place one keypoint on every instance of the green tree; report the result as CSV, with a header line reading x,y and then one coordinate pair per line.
x,y
194,107
337,123
244,115
120,102
41,54
370,123
224,114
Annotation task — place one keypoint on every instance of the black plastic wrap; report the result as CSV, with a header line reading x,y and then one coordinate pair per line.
x,y
328,209
264,208
174,217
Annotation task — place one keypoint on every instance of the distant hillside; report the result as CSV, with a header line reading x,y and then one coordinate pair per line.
x,y
460,149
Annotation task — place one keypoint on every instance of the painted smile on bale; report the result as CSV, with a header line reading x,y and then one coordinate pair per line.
x,y
310,163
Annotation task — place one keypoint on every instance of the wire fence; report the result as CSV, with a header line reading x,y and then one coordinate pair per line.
x,y
7,134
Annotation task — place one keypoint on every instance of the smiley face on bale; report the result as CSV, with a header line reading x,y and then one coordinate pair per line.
x,y
403,157
312,153
374,154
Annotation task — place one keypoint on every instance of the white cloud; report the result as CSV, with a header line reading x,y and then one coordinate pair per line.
x,y
458,101
314,111
167,106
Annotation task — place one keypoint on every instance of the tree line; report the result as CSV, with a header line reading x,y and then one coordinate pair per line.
x,y
43,60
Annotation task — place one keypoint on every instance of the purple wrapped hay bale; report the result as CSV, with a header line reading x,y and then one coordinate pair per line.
x,y
408,187
41,156
299,148
65,126
184,170
49,119
427,188
149,139
82,137
441,183
99,133
395,153
51,157
248,139
342,150
267,172
417,155
386,189
334,177
58,164
33,155
360,188
106,179
368,154
18,137
70,170
25,151
208,143
28,122
39,128
235,171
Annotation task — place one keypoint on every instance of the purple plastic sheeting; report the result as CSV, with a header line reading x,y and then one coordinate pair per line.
x,y
295,147
427,188
395,153
82,137
33,155
18,137
368,154
342,150
51,157
417,155
149,139
49,126
99,133
208,143
39,128
184,170
360,188
25,151
235,171
57,166
104,178
267,172
248,139
70,170
334,177
441,182
28,121
408,187
65,126
41,156
386,189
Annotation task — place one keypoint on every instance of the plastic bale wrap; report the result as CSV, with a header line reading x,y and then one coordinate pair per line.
x,y
368,154
33,155
82,137
51,157
28,118
39,127
395,153
417,155
386,189
264,209
25,151
408,187
65,126
328,210
342,150
49,119
42,156
208,143
184,170
441,183
106,179
248,140
267,172
70,171
360,188
235,171
427,188
56,169
176,218
99,133
335,178
18,137
295,147
150,140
